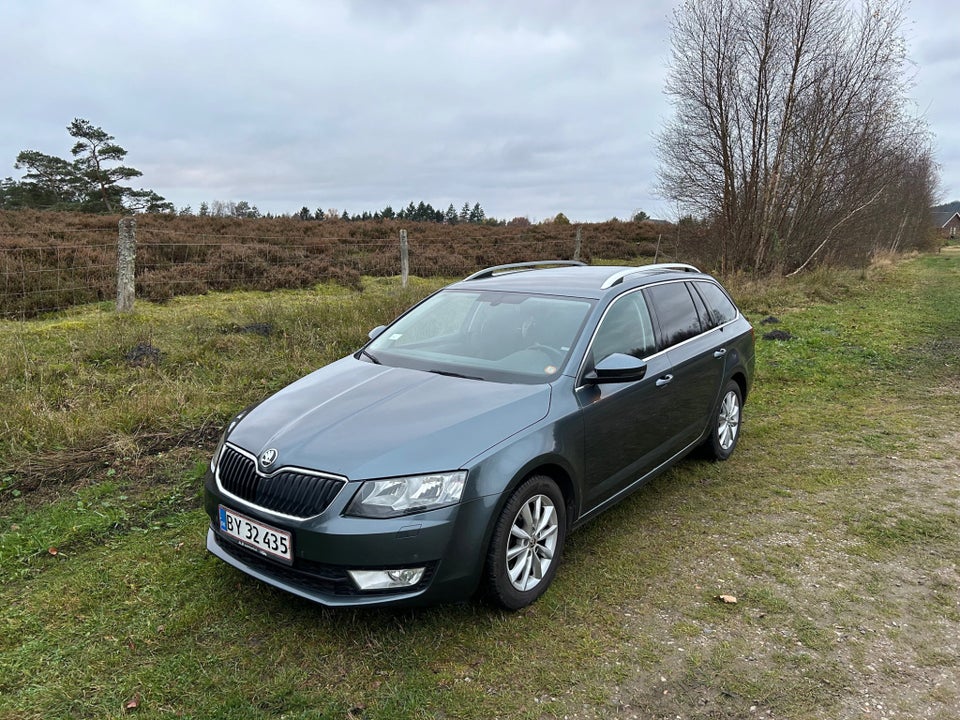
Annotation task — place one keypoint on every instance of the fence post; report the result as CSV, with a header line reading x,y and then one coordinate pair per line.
x,y
576,247
126,261
404,259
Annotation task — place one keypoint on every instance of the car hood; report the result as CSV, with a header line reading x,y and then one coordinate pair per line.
x,y
362,421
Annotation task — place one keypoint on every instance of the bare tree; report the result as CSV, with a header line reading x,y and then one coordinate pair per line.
x,y
790,126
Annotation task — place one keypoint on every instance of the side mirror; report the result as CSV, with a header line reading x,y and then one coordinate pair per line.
x,y
375,333
617,368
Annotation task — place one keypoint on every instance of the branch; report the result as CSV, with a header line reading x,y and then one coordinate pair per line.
x,y
839,223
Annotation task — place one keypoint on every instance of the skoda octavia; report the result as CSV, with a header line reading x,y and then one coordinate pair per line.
x,y
454,452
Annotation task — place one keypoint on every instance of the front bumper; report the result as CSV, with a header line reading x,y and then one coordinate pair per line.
x,y
450,543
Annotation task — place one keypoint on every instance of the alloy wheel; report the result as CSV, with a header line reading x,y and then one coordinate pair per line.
x,y
532,542
728,423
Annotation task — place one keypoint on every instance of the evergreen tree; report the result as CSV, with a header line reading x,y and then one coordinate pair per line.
x,y
476,214
243,209
49,181
93,149
147,201
450,216
465,213
91,182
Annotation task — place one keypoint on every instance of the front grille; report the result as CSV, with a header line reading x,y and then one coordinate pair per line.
x,y
310,575
291,492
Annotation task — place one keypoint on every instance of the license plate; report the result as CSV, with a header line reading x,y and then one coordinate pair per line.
x,y
268,540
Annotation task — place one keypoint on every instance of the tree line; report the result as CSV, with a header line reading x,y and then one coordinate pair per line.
x,y
93,182
420,212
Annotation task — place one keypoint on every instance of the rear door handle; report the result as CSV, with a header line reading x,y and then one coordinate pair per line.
x,y
665,380
720,353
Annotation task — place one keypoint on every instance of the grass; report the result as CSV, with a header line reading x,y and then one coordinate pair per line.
x,y
835,526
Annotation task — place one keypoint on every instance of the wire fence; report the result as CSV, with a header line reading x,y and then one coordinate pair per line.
x,y
43,271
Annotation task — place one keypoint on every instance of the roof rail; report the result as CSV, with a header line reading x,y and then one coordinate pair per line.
x,y
618,277
516,267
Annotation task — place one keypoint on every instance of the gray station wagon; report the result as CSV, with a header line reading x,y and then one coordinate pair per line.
x,y
454,452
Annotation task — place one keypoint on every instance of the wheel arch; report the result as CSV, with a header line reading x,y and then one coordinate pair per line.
x,y
556,470
741,380
564,481
536,475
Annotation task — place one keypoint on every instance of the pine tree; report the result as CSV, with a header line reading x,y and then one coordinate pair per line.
x,y
91,182
476,214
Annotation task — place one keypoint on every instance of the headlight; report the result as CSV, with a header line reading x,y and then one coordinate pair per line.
x,y
214,461
406,495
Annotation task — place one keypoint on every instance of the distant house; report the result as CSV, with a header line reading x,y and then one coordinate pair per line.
x,y
947,223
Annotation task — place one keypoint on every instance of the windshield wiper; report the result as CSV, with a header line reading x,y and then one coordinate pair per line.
x,y
453,374
366,352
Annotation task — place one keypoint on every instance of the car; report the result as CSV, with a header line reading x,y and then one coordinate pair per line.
x,y
451,455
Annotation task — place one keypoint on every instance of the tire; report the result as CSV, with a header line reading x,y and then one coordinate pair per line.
x,y
520,563
725,430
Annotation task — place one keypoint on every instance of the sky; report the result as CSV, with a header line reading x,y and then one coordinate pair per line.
x,y
530,108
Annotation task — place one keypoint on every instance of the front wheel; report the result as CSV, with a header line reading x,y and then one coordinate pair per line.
x,y
726,428
526,545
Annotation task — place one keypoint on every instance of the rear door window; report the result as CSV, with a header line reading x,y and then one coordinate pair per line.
x,y
720,309
676,313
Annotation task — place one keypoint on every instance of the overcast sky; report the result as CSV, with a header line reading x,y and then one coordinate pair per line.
x,y
529,107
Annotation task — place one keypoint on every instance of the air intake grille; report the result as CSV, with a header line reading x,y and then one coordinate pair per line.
x,y
290,492
313,576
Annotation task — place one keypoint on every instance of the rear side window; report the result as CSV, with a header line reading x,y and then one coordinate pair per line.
x,y
676,313
719,308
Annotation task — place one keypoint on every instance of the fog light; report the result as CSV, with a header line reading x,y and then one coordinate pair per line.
x,y
386,579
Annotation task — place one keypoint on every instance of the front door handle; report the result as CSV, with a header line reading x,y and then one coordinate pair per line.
x,y
665,380
720,353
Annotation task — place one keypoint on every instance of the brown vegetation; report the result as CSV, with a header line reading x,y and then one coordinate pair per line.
x,y
52,260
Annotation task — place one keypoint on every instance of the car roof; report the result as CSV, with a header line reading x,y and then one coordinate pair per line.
x,y
573,279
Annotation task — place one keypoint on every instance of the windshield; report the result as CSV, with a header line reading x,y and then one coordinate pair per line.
x,y
501,336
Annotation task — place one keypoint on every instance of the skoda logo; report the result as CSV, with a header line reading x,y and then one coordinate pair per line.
x,y
268,457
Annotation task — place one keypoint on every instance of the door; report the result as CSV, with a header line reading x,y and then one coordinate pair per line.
x,y
696,358
624,432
